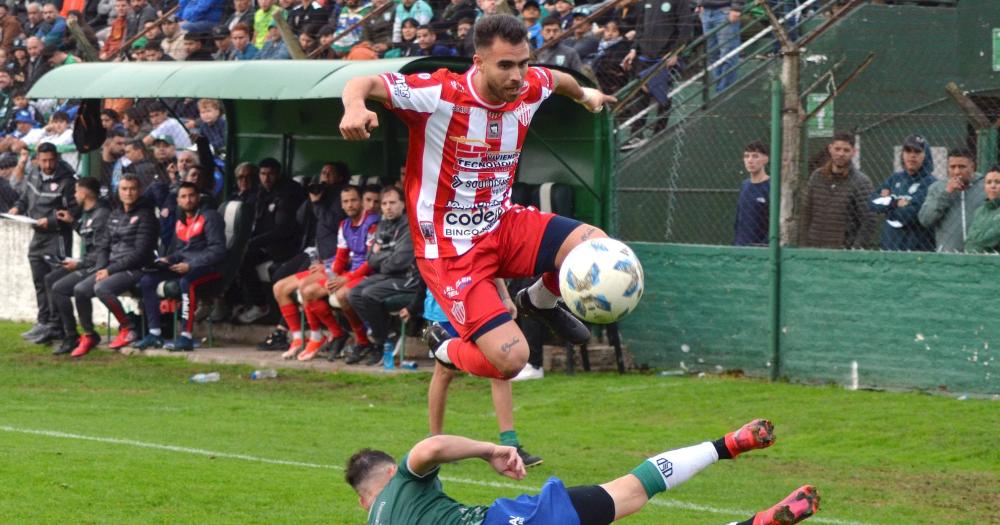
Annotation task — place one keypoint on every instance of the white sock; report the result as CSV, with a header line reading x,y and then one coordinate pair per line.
x,y
540,296
315,335
442,351
186,334
678,466
155,331
297,334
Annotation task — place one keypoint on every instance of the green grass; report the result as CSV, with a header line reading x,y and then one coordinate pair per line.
x,y
878,458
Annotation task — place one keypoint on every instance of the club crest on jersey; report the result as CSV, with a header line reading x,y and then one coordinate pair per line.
x,y
458,311
427,231
523,114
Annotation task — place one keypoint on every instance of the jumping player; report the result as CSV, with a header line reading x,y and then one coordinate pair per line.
x,y
466,134
410,492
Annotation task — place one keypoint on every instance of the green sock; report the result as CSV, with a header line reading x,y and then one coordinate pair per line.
x,y
650,478
509,439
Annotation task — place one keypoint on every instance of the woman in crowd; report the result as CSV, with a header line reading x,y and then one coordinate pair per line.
x,y
984,232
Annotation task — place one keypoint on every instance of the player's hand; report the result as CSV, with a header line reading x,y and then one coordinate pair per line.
x,y
181,267
358,123
404,314
507,462
101,275
336,283
594,100
508,303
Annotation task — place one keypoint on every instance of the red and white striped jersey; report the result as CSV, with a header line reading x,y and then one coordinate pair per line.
x,y
462,156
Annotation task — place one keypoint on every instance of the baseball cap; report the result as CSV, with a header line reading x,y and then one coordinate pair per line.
x,y
915,143
220,32
570,2
163,138
531,3
23,116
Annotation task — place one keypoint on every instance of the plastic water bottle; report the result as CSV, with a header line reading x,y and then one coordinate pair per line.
x,y
388,359
409,365
211,377
270,373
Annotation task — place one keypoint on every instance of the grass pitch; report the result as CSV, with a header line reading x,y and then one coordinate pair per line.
x,y
111,439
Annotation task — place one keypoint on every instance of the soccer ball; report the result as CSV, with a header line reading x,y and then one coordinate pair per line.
x,y
601,280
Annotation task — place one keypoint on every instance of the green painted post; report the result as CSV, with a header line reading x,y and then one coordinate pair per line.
x,y
774,231
986,146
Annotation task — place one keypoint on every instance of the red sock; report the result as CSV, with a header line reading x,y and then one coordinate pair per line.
x,y
467,356
551,282
358,327
291,314
321,309
313,321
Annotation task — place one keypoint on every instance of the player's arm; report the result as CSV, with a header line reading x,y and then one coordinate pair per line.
x,y
433,451
590,98
359,121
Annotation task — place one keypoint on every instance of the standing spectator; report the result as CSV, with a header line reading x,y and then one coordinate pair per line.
x,y
164,125
200,16
351,13
92,225
199,247
984,234
243,49
560,54
37,66
951,203
429,46
10,28
117,30
407,45
142,14
197,47
901,196
223,44
211,123
242,14
458,9
564,13
132,235
660,31
139,165
607,63
725,14
463,37
418,10
173,38
531,15
53,26
307,13
274,46
835,210
378,31
112,152
48,188
262,20
583,39
393,270
751,225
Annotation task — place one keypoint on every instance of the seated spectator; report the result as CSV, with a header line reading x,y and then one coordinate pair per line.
x,y
564,13
223,43
53,26
583,39
370,196
172,42
835,210
24,123
417,10
56,57
350,14
377,31
457,10
309,40
116,36
984,233
607,64
211,123
242,48
199,16
275,237
33,19
164,126
139,164
531,15
36,65
112,153
428,44
242,14
111,121
327,214
901,196
57,132
92,226
407,45
463,35
952,203
274,47
10,27
197,46
262,20
751,225
392,268
132,237
347,270
136,125
199,247
560,54
307,13
245,176
141,14
21,103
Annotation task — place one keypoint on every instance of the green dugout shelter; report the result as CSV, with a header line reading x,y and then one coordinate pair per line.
x,y
290,110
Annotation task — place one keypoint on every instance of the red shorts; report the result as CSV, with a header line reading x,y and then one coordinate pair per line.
x,y
464,286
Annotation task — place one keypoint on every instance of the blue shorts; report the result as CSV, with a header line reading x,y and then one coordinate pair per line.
x,y
551,507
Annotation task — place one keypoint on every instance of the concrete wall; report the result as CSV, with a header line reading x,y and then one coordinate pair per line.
x,y
910,320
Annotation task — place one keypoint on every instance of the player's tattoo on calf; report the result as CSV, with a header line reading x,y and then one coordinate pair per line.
x,y
505,348
588,234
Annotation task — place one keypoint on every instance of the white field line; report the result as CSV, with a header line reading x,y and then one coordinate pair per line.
x,y
464,481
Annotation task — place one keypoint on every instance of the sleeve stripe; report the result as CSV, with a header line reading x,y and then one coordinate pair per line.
x,y
390,104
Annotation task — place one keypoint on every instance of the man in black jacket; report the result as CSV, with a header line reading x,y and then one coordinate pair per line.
x,y
132,230
49,186
92,225
199,247
275,239
395,273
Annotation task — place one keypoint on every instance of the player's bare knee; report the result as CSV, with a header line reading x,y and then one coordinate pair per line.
x,y
512,361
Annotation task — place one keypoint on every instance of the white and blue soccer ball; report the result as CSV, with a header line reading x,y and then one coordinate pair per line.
x,y
601,280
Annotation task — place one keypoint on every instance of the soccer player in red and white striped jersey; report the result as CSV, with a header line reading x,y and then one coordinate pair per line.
x,y
466,134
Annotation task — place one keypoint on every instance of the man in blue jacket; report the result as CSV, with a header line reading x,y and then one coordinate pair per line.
x,y
200,16
199,247
900,197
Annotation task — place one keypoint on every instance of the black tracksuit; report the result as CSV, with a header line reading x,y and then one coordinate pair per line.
x,y
276,236
92,225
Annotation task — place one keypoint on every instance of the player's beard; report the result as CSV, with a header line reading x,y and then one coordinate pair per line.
x,y
500,91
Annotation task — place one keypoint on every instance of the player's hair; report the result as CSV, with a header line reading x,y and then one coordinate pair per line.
x,y
270,163
352,187
965,153
90,184
843,136
190,186
130,177
551,21
393,189
363,464
505,27
757,147
47,147
372,188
